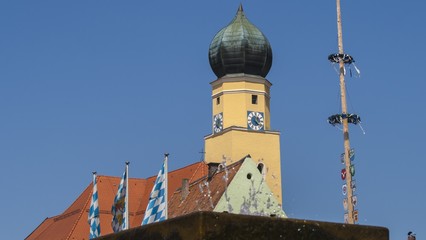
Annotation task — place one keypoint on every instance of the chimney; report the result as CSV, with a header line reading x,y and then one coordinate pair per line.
x,y
212,169
184,189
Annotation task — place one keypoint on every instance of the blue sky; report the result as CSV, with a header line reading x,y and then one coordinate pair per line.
x,y
88,85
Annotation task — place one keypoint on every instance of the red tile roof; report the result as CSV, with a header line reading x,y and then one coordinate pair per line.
x,y
72,223
204,194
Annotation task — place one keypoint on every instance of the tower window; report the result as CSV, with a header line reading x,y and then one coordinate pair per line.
x,y
262,170
253,99
260,167
217,100
220,167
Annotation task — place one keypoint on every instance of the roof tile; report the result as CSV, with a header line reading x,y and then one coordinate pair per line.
x,y
72,223
204,194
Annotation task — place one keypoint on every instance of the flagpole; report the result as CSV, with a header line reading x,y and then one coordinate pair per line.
x,y
127,196
166,172
94,178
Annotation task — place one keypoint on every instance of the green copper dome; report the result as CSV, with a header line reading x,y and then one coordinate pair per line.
x,y
240,47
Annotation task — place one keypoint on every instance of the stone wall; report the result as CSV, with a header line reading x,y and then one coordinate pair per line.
x,y
224,226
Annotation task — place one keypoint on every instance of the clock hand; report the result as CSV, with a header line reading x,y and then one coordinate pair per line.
x,y
256,120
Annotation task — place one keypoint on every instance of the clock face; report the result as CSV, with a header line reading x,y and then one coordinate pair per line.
x,y
218,123
255,120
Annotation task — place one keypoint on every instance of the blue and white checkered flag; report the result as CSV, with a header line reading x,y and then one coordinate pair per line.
x,y
95,227
118,209
156,210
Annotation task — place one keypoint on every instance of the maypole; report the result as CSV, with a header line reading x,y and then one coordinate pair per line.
x,y
345,118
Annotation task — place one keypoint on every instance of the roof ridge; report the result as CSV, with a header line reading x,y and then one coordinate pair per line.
x,y
75,200
47,218
146,178
119,177
228,167
196,170
237,162
82,210
63,216
185,167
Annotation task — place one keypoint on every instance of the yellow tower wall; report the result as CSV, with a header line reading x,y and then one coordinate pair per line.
x,y
232,96
235,94
235,143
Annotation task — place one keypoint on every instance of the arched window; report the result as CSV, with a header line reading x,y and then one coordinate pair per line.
x,y
262,169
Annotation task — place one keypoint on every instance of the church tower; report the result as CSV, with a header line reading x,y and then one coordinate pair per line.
x,y
241,57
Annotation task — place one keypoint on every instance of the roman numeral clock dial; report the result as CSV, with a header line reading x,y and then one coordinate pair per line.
x,y
255,121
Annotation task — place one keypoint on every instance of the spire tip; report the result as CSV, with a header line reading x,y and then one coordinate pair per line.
x,y
240,8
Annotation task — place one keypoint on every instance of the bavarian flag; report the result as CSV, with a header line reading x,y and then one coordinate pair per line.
x,y
95,226
118,209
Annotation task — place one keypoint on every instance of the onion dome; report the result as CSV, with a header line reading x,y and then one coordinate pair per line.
x,y
240,47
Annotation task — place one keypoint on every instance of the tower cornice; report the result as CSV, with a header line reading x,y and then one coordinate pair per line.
x,y
235,91
241,129
241,77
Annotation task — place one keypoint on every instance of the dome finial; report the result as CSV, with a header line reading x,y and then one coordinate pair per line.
x,y
240,8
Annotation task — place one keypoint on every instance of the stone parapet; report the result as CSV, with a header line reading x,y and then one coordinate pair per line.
x,y
225,226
